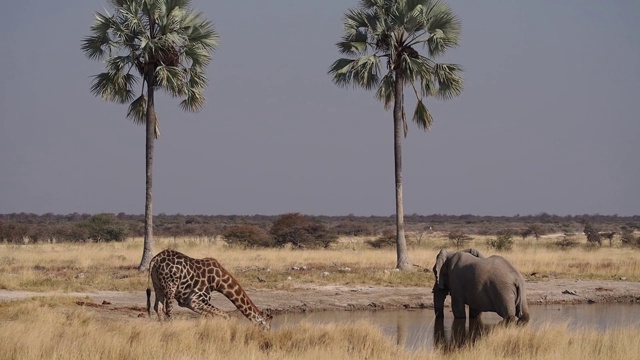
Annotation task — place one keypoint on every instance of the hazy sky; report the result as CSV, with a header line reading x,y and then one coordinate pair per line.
x,y
549,120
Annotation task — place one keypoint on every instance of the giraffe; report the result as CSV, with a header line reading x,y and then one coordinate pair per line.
x,y
190,281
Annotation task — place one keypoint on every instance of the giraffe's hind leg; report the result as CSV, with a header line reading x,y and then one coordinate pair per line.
x,y
200,304
158,305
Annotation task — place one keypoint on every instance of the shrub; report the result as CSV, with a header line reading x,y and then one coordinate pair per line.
x,y
353,228
105,227
504,241
568,241
534,230
247,236
592,235
627,237
300,232
386,239
459,238
13,232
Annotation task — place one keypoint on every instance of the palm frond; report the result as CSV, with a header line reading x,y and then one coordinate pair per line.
x,y
172,79
114,86
193,102
340,73
422,117
138,110
386,90
450,84
354,44
443,27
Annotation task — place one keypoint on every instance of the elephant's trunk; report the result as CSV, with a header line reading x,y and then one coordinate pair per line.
x,y
438,301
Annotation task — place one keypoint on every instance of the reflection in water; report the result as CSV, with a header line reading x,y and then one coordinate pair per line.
x,y
415,329
459,335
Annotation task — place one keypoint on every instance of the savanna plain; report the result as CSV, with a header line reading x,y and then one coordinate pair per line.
x,y
63,322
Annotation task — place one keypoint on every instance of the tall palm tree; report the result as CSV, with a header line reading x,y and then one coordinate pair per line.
x,y
155,44
381,40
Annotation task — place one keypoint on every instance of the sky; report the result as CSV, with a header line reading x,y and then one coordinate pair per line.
x,y
548,120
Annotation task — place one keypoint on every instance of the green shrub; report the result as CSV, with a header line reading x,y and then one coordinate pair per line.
x,y
592,235
105,227
459,238
627,237
386,239
353,228
567,242
247,236
504,241
300,232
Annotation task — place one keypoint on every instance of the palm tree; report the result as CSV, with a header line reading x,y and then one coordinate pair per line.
x,y
158,44
380,41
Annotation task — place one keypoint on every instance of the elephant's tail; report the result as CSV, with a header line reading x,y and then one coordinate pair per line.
x,y
522,309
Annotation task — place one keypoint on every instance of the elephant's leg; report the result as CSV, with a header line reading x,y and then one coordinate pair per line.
x,y
457,306
507,310
459,332
474,314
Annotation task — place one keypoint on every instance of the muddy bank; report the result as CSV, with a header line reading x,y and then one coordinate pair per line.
x,y
323,298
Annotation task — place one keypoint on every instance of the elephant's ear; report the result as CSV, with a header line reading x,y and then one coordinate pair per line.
x,y
437,268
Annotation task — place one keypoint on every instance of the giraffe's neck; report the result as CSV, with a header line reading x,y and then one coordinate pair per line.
x,y
230,288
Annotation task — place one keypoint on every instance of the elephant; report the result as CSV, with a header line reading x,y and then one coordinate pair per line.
x,y
484,284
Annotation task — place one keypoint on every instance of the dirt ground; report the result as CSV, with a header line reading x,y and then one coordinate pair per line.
x,y
114,304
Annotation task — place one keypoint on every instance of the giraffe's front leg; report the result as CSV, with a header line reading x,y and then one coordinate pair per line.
x,y
200,304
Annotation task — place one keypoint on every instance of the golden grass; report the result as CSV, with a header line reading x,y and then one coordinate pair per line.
x,y
38,331
554,342
46,328
113,266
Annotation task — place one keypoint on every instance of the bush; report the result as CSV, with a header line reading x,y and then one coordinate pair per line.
x,y
13,232
247,236
300,232
353,228
459,238
534,230
504,241
627,237
592,235
105,227
386,239
568,241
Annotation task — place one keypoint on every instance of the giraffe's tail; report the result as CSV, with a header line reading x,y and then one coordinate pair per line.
x,y
149,287
149,301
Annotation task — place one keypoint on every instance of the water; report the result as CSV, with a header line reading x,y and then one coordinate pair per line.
x,y
416,329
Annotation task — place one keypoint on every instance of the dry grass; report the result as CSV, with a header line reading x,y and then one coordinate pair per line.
x,y
46,328
37,329
113,266
51,328
553,342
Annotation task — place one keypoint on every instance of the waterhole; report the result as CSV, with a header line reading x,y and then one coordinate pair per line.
x,y
415,329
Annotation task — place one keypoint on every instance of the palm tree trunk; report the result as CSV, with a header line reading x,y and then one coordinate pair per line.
x,y
147,252
401,243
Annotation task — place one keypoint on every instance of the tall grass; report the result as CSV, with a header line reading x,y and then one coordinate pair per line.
x,y
113,266
46,328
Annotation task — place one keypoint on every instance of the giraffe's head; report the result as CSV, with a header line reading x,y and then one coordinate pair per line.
x,y
264,319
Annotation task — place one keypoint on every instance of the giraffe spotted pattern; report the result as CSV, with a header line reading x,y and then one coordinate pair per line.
x,y
191,281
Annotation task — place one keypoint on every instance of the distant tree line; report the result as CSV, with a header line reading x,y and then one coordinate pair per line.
x,y
304,231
